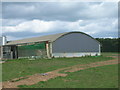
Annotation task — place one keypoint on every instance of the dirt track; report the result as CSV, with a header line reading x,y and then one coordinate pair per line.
x,y
33,79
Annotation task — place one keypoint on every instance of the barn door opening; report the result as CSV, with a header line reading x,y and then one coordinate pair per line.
x,y
6,52
9,52
14,54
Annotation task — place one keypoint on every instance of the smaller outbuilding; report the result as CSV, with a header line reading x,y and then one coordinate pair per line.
x,y
68,44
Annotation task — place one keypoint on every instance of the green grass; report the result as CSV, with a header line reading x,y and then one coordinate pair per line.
x,y
0,72
23,67
98,77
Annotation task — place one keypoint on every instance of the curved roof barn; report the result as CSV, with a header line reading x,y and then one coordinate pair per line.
x,y
50,38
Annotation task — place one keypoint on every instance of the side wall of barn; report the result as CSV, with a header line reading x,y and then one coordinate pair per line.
x,y
75,45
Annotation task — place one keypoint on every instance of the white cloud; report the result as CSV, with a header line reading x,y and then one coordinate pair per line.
x,y
88,26
39,26
11,22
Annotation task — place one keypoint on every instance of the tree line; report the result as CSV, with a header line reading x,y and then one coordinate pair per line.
x,y
109,44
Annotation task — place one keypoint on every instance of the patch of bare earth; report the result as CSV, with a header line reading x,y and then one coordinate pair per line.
x,y
33,79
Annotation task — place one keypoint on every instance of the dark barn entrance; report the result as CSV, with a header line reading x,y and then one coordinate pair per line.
x,y
9,52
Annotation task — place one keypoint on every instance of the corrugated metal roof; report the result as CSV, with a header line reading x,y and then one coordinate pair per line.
x,y
36,39
50,38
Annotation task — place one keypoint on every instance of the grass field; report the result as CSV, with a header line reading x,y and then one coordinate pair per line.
x,y
0,72
22,67
98,77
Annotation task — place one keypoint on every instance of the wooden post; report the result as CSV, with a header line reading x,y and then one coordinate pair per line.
x,y
1,52
11,55
99,49
47,49
15,50
50,49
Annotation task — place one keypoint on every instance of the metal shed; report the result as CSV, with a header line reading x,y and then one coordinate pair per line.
x,y
68,44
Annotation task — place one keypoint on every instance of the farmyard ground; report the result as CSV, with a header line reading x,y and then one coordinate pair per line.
x,y
27,67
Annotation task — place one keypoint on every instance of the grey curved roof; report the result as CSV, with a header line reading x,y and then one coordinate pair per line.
x,y
50,38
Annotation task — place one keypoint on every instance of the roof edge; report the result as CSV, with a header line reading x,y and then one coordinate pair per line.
x,y
53,38
77,32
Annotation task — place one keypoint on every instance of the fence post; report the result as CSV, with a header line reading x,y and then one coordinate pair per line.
x,y
47,49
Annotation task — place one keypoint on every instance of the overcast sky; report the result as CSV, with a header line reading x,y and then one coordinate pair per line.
x,y
31,19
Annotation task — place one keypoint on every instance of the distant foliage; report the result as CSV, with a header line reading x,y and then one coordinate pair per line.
x,y
109,45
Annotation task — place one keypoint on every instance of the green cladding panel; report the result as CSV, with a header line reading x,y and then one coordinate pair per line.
x,y
37,49
34,46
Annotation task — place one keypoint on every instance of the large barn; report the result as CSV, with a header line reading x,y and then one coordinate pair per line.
x,y
68,44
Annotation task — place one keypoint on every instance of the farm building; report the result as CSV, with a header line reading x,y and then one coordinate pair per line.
x,y
68,44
